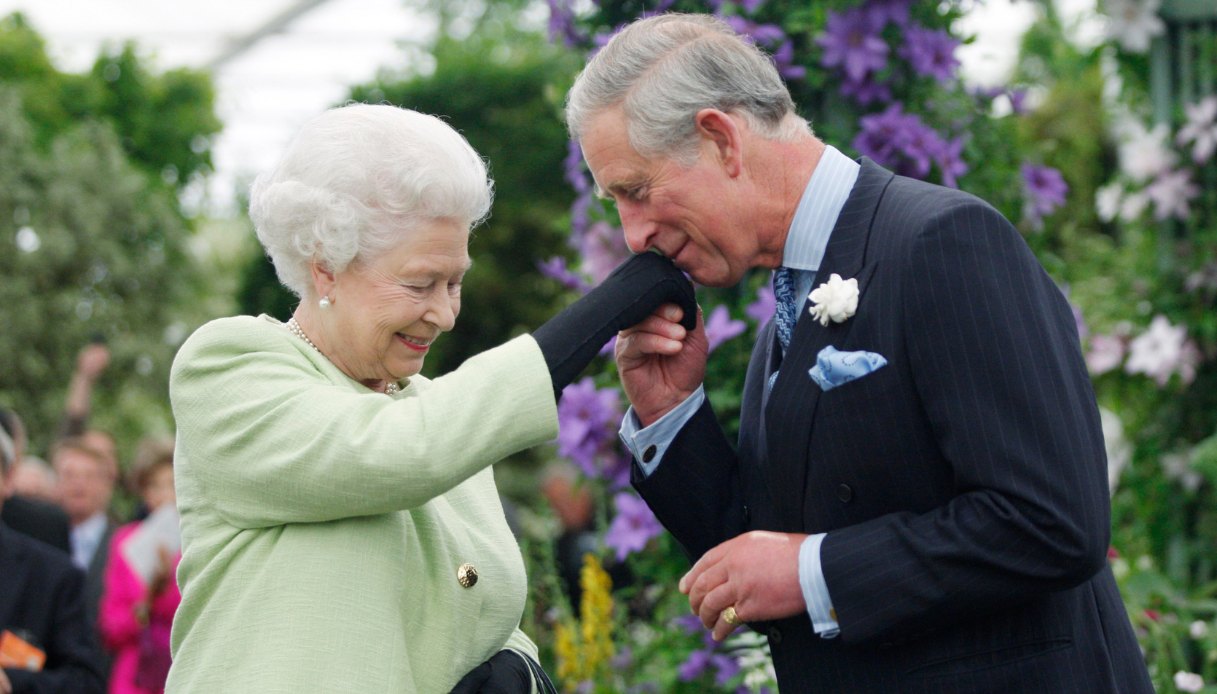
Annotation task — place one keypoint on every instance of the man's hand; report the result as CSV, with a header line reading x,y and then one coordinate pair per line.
x,y
6,687
660,363
757,572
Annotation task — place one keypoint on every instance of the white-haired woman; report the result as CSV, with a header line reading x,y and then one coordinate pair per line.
x,y
341,527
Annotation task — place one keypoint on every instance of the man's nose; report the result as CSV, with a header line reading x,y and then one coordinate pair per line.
x,y
638,234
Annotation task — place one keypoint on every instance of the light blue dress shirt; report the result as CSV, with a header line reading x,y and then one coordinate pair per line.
x,y
814,219
86,539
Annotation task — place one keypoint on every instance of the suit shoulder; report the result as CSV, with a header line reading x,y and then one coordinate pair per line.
x,y
920,209
930,196
46,560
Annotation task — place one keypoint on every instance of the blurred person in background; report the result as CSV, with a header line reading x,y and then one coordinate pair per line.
x,y
33,478
46,643
91,362
340,523
86,486
26,514
140,596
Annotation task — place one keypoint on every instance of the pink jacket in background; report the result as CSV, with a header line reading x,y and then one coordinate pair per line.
x,y
120,629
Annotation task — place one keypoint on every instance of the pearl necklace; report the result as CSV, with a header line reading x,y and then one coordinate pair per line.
x,y
294,328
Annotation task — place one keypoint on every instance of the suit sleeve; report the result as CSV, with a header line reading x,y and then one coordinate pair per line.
x,y
995,358
72,660
695,493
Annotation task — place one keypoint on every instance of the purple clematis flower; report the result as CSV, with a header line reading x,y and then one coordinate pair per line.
x,y
950,162
931,52
749,6
763,308
772,37
852,43
588,419
1046,190
902,142
885,11
633,526
572,167
555,269
866,92
603,248
562,23
720,327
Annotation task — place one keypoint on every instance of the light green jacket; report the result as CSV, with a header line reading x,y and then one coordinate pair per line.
x,y
323,524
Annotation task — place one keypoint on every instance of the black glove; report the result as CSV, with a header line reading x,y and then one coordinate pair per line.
x,y
571,339
507,672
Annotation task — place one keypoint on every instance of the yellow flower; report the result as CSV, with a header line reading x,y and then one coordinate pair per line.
x,y
585,649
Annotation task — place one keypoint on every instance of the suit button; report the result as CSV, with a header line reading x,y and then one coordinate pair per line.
x,y
845,493
649,454
466,575
747,515
775,636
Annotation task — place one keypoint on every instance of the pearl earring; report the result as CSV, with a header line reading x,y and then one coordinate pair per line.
x,y
324,303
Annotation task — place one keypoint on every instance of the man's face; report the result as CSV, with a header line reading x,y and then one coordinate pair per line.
x,y
85,485
687,213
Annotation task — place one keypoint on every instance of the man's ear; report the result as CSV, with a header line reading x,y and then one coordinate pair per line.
x,y
724,133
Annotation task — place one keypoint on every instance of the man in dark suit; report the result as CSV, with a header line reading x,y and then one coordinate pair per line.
x,y
86,485
917,501
42,607
38,519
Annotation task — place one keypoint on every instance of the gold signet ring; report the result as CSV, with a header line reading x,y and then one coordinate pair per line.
x,y
728,615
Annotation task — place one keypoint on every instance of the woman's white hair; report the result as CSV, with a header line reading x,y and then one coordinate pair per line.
x,y
664,69
354,180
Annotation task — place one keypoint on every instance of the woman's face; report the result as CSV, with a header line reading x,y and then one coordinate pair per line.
x,y
158,489
386,311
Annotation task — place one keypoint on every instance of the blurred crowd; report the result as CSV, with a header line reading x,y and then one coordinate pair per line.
x,y
87,594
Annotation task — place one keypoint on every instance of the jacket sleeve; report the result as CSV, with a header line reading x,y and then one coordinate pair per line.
x,y
995,358
269,435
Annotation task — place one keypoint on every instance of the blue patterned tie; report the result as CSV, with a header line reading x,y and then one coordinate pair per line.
x,y
784,314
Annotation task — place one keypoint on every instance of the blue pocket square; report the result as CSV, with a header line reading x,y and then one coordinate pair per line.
x,y
836,368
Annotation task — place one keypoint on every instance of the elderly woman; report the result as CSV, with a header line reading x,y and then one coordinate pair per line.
x,y
341,528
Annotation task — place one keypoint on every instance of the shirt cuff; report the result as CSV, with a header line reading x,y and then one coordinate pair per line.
x,y
648,445
815,590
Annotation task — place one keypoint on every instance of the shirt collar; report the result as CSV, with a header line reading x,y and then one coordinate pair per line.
x,y
826,192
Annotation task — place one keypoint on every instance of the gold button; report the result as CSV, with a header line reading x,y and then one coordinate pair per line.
x,y
467,575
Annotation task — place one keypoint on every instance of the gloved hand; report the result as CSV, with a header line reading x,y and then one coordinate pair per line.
x,y
571,339
507,672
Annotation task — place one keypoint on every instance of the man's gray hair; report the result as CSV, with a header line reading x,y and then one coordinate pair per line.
x,y
664,69
355,180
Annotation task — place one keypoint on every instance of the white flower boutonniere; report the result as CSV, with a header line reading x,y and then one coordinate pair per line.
x,y
834,300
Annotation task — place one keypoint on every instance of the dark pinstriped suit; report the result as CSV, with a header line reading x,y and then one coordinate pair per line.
x,y
963,486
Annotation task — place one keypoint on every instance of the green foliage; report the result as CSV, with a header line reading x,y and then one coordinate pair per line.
x,y
1123,272
88,247
164,121
93,242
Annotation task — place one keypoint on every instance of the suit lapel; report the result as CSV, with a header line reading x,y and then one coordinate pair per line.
x,y
791,406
